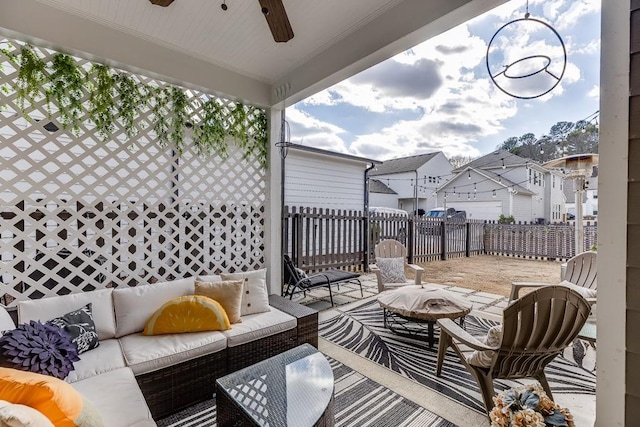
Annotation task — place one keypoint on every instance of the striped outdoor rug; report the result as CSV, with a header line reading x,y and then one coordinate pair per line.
x,y
360,329
359,401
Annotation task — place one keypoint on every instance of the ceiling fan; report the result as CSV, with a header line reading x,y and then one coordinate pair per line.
x,y
273,11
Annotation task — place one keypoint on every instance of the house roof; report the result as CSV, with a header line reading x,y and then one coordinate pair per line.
x,y
332,153
495,160
376,186
232,53
403,164
488,175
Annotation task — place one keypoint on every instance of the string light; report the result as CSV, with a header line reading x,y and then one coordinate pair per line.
x,y
503,165
469,175
475,190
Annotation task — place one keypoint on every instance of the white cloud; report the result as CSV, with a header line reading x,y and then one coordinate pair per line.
x,y
577,9
594,92
308,130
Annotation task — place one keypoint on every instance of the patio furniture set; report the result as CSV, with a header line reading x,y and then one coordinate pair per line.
x,y
534,330
133,378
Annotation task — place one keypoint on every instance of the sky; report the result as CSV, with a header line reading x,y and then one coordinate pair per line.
x,y
438,96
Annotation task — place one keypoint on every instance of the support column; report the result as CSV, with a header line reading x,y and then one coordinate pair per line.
x,y
612,406
273,225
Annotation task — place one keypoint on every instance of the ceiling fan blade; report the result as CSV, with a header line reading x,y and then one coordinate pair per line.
x,y
277,19
163,3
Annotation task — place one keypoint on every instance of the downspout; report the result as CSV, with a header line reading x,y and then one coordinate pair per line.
x,y
365,229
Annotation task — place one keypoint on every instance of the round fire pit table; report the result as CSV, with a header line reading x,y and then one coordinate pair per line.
x,y
418,305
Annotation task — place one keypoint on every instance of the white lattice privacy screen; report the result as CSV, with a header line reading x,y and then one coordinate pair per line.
x,y
78,213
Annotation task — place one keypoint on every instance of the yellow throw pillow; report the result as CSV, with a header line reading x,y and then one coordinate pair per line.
x,y
54,398
227,292
190,313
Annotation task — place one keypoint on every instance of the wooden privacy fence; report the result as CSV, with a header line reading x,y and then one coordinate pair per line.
x,y
318,238
552,241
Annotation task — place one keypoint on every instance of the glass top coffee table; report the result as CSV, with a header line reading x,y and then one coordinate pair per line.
x,y
294,388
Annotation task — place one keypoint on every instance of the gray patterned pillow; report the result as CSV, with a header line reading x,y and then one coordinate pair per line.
x,y
80,327
391,269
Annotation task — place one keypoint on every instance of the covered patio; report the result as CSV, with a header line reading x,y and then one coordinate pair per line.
x,y
232,55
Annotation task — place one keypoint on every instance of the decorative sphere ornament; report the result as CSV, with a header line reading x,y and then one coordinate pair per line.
x,y
526,58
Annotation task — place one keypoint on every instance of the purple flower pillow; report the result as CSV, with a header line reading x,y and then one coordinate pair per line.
x,y
41,348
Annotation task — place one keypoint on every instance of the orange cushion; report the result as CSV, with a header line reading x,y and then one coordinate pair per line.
x,y
190,313
54,398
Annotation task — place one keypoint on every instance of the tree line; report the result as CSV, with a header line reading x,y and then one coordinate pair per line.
x,y
563,139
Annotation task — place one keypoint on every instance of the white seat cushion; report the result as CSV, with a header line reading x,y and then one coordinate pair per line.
x,y
256,326
134,306
44,309
104,358
145,354
117,397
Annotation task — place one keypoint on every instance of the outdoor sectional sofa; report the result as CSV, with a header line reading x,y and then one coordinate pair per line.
x,y
133,379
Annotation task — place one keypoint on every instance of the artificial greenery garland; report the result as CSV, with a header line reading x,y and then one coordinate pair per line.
x,y
62,83
67,84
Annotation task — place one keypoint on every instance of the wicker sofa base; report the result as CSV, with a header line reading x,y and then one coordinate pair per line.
x,y
255,351
174,388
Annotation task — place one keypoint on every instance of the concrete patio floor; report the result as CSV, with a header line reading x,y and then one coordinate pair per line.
x,y
485,304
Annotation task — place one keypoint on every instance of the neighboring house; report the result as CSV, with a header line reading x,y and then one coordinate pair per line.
x,y
408,183
381,195
325,179
502,183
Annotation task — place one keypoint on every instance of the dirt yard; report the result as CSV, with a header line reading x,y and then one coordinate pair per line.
x,y
490,273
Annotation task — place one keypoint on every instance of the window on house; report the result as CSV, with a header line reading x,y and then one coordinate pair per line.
x,y
595,194
529,176
553,181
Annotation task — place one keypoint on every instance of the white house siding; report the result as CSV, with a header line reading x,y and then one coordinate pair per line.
x,y
316,180
522,209
555,207
439,168
383,200
464,196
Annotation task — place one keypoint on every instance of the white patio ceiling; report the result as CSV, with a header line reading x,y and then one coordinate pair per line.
x,y
232,53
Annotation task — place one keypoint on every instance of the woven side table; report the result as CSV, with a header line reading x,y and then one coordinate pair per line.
x,y
307,318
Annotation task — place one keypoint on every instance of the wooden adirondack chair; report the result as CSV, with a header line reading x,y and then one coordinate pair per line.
x,y
393,249
535,329
581,270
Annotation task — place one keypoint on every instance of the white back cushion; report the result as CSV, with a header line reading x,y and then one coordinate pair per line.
x,y
44,309
134,306
210,278
6,322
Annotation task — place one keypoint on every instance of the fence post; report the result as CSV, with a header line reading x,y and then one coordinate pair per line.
x,y
410,240
468,239
365,237
443,240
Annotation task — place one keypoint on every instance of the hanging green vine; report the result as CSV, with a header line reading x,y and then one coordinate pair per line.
x,y
117,97
209,134
179,106
67,89
31,79
159,98
102,100
129,99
